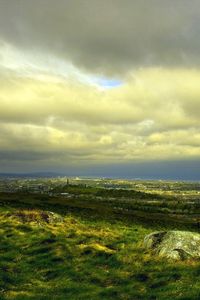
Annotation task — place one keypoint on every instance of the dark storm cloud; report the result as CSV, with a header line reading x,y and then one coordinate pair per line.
x,y
106,35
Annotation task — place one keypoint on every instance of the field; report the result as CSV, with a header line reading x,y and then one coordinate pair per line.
x,y
89,246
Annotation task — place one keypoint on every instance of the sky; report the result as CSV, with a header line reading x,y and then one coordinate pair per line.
x,y
100,87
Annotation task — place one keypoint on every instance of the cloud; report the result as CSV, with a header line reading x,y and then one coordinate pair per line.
x,y
98,82
151,116
168,97
108,37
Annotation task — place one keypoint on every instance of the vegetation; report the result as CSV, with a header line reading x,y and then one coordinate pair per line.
x,y
79,253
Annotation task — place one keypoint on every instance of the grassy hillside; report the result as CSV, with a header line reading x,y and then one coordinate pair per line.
x,y
84,255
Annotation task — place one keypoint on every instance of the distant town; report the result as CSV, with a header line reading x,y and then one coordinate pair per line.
x,y
189,191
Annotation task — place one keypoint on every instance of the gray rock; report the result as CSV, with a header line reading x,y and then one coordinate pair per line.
x,y
52,217
177,245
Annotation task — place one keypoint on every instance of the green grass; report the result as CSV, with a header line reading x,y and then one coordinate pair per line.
x,y
168,210
87,256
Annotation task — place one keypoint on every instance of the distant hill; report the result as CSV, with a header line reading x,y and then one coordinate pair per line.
x,y
30,175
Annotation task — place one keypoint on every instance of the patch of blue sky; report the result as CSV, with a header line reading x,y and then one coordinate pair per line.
x,y
108,83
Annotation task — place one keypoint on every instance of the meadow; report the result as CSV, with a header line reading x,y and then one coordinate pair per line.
x,y
52,250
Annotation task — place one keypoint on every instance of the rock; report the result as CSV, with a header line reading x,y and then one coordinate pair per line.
x,y
37,216
51,217
177,245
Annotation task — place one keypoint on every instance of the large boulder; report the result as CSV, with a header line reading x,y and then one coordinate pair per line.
x,y
178,245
